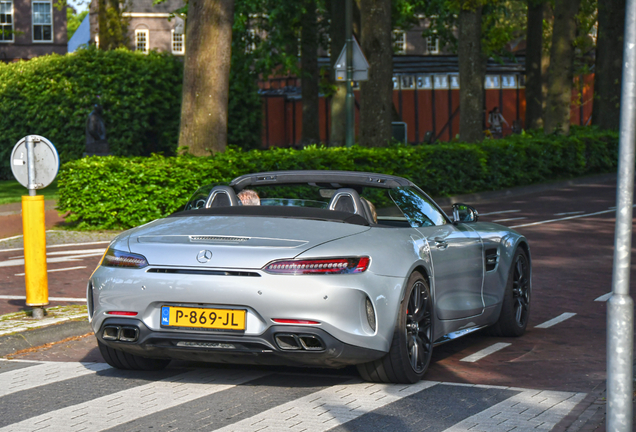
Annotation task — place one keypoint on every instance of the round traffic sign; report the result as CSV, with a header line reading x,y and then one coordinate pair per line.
x,y
46,161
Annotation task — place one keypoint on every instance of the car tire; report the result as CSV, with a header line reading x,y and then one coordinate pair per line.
x,y
412,346
123,360
515,309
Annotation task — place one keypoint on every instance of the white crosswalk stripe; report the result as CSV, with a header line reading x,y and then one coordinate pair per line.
x,y
328,408
526,411
530,410
121,407
47,373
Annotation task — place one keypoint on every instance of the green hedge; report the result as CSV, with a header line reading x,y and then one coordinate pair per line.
x,y
141,95
115,192
53,95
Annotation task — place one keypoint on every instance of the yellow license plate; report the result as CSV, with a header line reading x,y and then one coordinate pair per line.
x,y
206,318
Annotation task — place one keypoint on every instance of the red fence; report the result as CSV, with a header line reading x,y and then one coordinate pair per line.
x,y
424,110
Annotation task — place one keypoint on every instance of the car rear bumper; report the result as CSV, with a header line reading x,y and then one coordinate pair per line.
x,y
288,345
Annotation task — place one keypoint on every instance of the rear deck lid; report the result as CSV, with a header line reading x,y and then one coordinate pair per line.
x,y
232,241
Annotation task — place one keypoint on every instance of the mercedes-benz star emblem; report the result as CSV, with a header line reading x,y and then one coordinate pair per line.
x,y
204,256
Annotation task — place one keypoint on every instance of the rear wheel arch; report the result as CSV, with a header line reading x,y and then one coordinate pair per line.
x,y
411,346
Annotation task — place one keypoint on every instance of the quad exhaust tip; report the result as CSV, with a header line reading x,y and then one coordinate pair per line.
x,y
299,342
120,333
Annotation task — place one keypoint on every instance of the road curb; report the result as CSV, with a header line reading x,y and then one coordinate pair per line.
x,y
521,190
40,336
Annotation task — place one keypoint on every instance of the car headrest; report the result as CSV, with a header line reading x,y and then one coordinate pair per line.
x,y
222,196
347,200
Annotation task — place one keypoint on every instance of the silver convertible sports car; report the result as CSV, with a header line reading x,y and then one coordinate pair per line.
x,y
308,268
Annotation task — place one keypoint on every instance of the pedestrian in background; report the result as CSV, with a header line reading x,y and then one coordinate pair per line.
x,y
495,118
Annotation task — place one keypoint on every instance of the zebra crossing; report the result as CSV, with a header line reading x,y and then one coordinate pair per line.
x,y
59,396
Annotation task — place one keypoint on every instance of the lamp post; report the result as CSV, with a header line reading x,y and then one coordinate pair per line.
x,y
620,306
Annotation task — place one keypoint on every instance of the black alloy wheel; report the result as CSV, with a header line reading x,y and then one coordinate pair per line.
x,y
412,346
521,290
419,326
515,308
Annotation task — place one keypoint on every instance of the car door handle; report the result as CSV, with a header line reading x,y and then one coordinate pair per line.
x,y
441,244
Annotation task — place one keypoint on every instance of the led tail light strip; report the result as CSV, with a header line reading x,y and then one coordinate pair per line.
x,y
319,266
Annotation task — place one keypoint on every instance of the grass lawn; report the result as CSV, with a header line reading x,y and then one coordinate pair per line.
x,y
12,191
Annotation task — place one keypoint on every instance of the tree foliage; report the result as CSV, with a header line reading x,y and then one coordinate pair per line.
x,y
112,24
73,20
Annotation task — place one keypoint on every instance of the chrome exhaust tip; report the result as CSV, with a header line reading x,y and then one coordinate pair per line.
x,y
311,343
288,342
129,334
111,332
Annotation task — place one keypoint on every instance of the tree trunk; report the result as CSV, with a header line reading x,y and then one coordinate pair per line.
x,y
534,63
560,74
206,76
376,94
548,16
472,71
609,64
310,75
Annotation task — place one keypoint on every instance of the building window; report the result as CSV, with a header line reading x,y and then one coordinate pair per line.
x,y
141,41
399,42
432,44
6,21
178,43
42,22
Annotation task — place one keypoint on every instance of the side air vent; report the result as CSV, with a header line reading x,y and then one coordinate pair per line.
x,y
203,272
217,239
491,259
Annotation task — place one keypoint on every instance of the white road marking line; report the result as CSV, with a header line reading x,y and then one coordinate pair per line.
x,y
8,328
48,373
10,238
511,219
328,408
499,212
566,218
485,352
77,251
63,299
71,258
554,321
57,270
604,297
98,414
529,410
53,246
28,361
569,213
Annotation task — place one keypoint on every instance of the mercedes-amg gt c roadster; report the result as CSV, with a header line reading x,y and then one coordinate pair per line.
x,y
308,268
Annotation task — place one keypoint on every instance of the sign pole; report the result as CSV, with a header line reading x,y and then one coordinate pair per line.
x,y
620,306
350,100
33,229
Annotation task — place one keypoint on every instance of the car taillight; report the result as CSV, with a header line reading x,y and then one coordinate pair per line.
x,y
116,258
319,266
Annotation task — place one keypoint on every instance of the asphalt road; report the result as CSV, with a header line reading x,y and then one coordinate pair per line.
x,y
541,381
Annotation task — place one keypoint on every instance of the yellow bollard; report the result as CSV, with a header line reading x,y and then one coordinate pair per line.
x,y
37,284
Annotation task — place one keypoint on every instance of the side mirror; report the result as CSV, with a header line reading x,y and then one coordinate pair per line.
x,y
464,213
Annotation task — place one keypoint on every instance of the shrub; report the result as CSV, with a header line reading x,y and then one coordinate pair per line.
x,y
122,192
141,95
53,95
